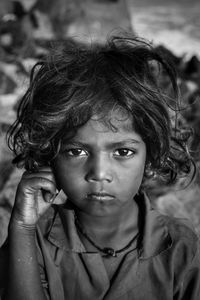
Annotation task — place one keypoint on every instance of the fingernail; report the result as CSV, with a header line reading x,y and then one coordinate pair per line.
x,y
54,196
48,197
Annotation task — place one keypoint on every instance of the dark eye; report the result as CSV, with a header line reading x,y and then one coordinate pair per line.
x,y
76,152
124,152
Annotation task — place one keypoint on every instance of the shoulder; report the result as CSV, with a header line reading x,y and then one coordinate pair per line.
x,y
183,257
164,234
3,263
184,238
173,243
180,228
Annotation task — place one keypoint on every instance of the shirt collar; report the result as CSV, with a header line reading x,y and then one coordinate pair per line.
x,y
154,235
63,232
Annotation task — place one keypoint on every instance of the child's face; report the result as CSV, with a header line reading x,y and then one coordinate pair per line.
x,y
101,170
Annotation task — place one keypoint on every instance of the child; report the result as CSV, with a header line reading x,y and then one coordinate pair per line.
x,y
92,127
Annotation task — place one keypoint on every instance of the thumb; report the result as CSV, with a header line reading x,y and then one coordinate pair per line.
x,y
48,197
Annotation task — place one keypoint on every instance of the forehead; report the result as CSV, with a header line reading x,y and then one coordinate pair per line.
x,y
116,120
115,126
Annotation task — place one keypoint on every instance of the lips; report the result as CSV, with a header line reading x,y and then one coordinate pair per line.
x,y
100,196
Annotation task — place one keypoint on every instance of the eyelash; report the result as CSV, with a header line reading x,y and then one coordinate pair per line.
x,y
130,151
133,152
74,149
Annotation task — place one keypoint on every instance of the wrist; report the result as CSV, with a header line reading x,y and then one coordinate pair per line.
x,y
22,219
20,226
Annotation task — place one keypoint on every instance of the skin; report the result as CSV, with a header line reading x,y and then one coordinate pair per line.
x,y
99,159
35,194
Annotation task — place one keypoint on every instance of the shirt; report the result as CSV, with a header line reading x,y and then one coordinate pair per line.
x,y
166,264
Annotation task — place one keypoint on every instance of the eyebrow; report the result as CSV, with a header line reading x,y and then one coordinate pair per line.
x,y
114,144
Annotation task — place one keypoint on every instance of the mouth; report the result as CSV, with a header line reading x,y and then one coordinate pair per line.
x,y
101,196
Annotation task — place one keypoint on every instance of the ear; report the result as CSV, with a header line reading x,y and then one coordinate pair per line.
x,y
148,171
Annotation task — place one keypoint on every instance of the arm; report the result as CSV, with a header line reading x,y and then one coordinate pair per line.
x,y
35,193
189,286
191,282
23,270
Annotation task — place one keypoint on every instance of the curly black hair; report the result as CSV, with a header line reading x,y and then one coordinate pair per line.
x,y
76,80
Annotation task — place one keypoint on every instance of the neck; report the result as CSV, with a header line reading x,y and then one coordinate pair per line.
x,y
113,228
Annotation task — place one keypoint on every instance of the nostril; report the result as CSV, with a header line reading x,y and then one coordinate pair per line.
x,y
99,168
99,176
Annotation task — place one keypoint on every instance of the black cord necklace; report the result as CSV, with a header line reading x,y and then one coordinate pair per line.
x,y
106,250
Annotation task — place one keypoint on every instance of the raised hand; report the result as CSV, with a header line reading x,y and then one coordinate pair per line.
x,y
35,194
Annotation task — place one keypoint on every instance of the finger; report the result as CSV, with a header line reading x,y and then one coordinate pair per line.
x,y
49,197
45,174
33,185
39,169
44,169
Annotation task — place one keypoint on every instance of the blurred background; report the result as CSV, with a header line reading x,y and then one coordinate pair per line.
x,y
27,29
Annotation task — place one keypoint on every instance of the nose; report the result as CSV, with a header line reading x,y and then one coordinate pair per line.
x,y
99,169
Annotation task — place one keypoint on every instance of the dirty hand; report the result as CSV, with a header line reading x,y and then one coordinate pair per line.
x,y
35,194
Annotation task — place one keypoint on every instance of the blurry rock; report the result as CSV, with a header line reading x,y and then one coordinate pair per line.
x,y
28,4
44,30
7,85
169,204
169,55
59,12
82,19
7,196
12,35
6,169
16,29
5,156
107,1
192,67
192,70
6,104
18,9
28,63
18,73
6,40
5,7
10,69
7,117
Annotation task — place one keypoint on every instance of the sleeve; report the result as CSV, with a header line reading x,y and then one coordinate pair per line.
x,y
189,286
4,270
49,258
42,271
3,267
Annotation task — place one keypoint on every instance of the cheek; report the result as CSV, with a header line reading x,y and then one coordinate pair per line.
x,y
133,174
67,178
132,180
